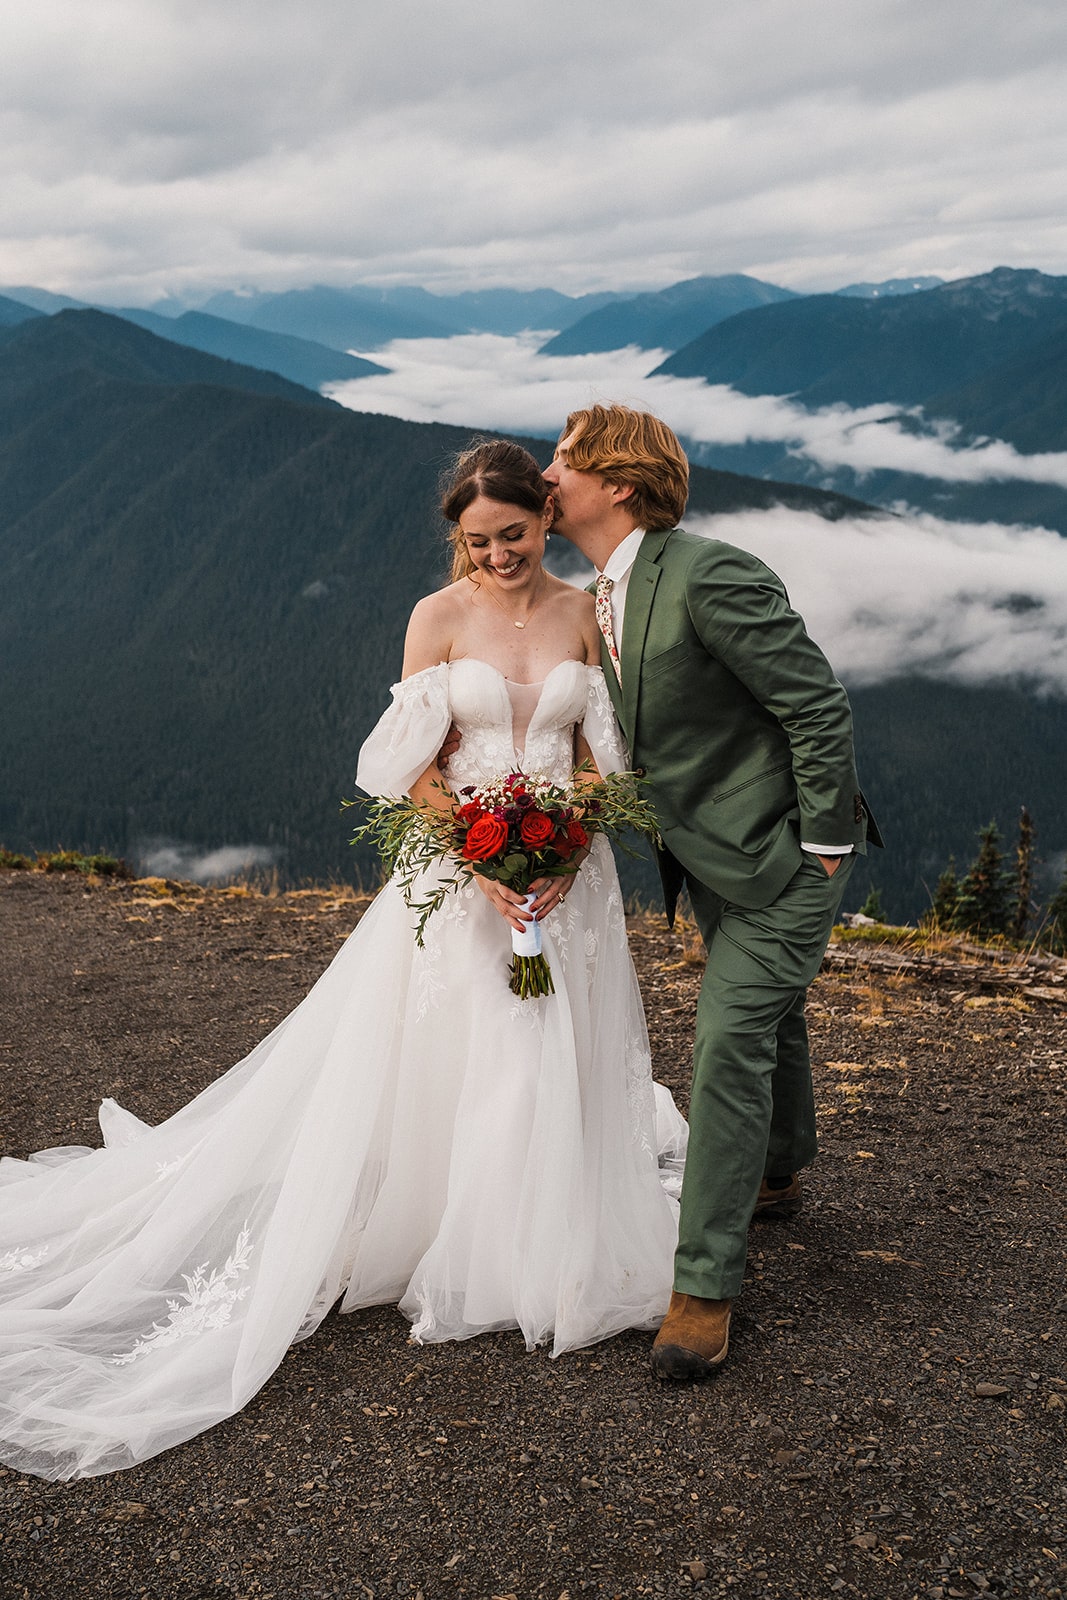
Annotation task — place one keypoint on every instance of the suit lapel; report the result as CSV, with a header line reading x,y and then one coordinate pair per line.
x,y
640,590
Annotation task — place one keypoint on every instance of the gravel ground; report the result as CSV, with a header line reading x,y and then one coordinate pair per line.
x,y
891,1420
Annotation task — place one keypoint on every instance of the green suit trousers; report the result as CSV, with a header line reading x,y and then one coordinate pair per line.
x,y
752,1111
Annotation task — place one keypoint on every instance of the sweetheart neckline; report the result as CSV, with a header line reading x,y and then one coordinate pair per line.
x,y
539,683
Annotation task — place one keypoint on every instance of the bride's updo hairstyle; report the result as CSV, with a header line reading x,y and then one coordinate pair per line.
x,y
499,470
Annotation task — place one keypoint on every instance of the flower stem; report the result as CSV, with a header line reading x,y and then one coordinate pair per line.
x,y
531,978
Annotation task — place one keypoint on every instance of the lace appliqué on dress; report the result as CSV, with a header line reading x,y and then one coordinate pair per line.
x,y
207,1302
639,1096
601,730
427,976
529,1013
565,922
22,1260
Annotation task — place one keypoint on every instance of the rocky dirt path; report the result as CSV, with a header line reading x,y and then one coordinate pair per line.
x,y
891,1422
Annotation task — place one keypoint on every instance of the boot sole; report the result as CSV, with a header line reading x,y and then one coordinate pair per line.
x,y
671,1361
777,1210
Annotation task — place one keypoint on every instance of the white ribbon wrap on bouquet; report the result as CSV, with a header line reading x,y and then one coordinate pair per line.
x,y
528,942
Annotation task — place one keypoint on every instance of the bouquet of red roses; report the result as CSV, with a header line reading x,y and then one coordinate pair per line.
x,y
514,830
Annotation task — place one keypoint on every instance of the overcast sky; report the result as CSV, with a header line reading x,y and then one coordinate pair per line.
x,y
154,146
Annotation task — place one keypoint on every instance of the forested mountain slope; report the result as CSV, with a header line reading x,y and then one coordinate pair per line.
x,y
829,348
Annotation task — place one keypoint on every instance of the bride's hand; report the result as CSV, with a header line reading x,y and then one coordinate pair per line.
x,y
505,901
551,893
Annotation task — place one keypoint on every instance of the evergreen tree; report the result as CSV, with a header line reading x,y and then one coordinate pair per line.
x,y
872,906
946,898
1054,937
984,904
1024,876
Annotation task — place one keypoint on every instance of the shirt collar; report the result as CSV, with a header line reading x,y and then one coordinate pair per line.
x,y
623,556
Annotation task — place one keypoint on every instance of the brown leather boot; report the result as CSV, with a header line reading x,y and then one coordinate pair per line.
x,y
785,1202
694,1338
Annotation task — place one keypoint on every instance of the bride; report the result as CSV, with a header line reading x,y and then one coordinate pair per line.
x,y
413,1132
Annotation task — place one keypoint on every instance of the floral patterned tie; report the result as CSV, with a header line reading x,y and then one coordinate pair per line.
x,y
604,587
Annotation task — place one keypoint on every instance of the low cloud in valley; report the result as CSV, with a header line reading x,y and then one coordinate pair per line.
x,y
175,858
488,381
892,596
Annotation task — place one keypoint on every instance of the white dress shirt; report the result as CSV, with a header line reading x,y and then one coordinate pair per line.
x,y
618,567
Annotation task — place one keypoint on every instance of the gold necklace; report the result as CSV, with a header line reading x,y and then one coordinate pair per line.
x,y
497,601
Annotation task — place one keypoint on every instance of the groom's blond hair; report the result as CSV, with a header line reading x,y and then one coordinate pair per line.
x,y
635,449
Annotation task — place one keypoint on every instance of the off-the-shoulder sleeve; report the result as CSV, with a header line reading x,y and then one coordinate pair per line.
x,y
601,729
408,736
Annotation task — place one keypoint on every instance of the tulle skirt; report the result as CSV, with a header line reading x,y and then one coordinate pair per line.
x,y
411,1133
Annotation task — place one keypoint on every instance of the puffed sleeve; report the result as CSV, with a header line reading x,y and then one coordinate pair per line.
x,y
601,729
408,736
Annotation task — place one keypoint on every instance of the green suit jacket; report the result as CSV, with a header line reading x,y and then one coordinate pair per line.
x,y
736,717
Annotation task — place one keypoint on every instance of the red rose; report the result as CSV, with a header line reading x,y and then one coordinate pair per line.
x,y
577,836
485,839
569,839
470,812
536,828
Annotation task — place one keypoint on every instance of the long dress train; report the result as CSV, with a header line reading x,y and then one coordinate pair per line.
x,y
411,1132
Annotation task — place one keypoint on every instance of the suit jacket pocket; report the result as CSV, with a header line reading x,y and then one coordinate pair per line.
x,y
668,660
760,777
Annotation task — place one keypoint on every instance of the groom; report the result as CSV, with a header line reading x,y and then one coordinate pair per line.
x,y
746,736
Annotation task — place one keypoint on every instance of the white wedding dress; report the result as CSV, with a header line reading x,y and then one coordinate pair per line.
x,y
412,1132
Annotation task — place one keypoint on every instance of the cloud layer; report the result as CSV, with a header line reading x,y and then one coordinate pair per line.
x,y
887,596
488,381
152,145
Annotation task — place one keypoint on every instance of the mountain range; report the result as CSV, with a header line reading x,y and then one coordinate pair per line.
x,y
305,362
667,319
366,319
302,360
824,349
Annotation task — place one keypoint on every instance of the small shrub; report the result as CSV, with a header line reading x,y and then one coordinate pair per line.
x,y
74,861
942,913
